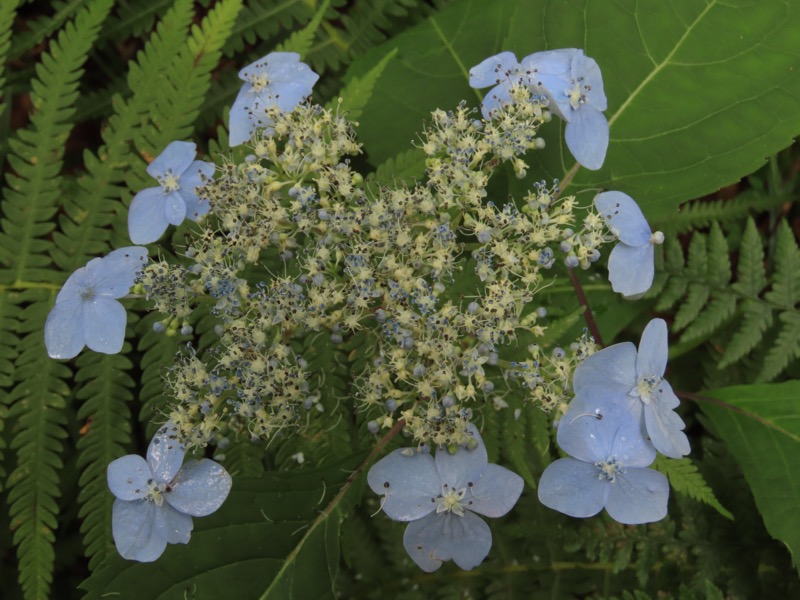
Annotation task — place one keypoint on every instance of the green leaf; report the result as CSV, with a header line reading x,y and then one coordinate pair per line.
x,y
673,74
686,479
268,535
761,427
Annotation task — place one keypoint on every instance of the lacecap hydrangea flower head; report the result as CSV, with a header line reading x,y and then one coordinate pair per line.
x,y
569,79
86,312
635,379
440,497
157,498
279,79
607,464
631,263
179,175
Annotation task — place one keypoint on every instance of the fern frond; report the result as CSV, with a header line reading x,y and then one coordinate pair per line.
x,y
8,11
157,351
37,414
365,24
9,341
300,41
321,440
785,349
105,389
702,213
747,311
684,478
32,196
260,20
785,290
133,19
45,26
84,226
358,91
408,166
180,96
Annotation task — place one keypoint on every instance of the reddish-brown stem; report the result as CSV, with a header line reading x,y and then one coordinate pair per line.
x,y
587,311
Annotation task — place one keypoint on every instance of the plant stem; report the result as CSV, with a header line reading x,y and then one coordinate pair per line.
x,y
587,312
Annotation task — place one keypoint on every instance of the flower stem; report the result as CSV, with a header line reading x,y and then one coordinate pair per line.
x,y
587,312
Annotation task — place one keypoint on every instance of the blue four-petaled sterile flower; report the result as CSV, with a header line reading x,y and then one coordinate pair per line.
x,y
279,79
636,380
440,496
608,464
576,90
179,174
631,265
157,498
86,312
571,81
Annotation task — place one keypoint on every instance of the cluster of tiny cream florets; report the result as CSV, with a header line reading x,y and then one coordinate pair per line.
x,y
547,375
438,276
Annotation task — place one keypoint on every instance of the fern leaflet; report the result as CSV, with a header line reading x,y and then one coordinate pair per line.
x,y
686,479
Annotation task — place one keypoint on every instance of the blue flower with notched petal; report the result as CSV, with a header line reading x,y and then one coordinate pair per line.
x,y
279,79
86,312
636,380
578,97
631,263
155,208
608,465
440,497
157,497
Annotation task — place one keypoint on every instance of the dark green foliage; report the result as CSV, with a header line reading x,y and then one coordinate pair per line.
x,y
92,90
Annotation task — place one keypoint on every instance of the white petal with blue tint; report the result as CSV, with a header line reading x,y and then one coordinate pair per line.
x,y
409,484
492,70
116,273
456,469
200,488
146,219
240,128
651,358
587,137
572,487
631,269
63,330
614,367
278,79
445,536
175,159
174,208
172,525
128,477
104,325
623,217
494,492
165,453
133,526
638,496
665,429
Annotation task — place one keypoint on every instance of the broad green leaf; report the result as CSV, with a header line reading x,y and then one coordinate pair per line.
x,y
761,426
269,535
700,92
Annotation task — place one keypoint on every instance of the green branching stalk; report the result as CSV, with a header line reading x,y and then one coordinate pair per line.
x,y
331,515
